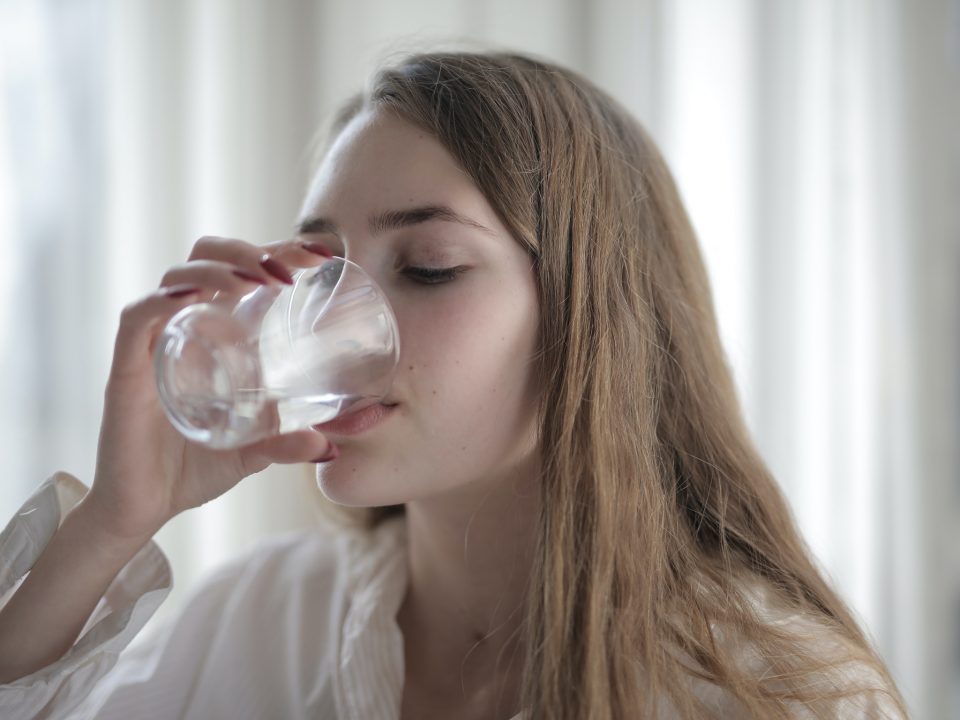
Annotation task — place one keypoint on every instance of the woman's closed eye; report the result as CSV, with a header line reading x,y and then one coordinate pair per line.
x,y
432,276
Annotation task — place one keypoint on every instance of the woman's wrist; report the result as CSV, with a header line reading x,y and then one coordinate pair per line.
x,y
88,523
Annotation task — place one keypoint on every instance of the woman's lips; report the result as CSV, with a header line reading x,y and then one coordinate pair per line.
x,y
356,422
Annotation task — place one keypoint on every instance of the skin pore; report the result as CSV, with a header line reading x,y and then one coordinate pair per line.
x,y
460,448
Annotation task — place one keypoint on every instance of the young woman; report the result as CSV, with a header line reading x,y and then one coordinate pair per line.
x,y
557,512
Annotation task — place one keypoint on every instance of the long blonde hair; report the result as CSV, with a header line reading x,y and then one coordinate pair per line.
x,y
659,518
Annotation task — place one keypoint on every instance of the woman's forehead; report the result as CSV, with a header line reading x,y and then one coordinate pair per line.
x,y
382,162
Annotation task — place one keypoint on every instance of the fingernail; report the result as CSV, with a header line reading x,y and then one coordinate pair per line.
x,y
179,291
316,248
332,454
244,275
276,269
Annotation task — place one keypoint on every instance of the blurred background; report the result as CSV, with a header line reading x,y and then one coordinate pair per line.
x,y
816,144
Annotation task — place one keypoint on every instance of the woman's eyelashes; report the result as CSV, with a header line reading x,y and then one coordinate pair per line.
x,y
432,276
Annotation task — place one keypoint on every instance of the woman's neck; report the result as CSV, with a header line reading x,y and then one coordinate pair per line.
x,y
469,560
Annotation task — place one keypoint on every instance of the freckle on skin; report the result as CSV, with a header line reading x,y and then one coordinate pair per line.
x,y
411,367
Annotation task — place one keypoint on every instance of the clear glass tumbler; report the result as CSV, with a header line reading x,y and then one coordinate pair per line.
x,y
241,368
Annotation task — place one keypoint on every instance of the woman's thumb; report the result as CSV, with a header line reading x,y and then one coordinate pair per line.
x,y
296,447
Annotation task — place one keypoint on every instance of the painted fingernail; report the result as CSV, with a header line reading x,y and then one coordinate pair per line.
x,y
249,276
276,269
316,248
332,454
179,291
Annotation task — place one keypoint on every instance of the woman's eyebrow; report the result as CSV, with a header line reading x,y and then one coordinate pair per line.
x,y
392,220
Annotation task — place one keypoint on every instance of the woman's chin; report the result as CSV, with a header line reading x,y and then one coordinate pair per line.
x,y
348,487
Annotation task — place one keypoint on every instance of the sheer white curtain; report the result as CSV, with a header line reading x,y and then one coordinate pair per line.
x,y
814,143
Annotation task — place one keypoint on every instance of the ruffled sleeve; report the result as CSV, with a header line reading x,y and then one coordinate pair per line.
x,y
131,599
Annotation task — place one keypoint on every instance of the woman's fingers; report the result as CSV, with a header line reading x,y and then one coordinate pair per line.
x,y
300,253
216,264
238,252
294,447
250,259
217,275
139,322
275,258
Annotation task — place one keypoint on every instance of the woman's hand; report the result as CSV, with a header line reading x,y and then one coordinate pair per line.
x,y
147,472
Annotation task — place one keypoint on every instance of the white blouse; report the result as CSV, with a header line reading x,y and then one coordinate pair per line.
x,y
301,627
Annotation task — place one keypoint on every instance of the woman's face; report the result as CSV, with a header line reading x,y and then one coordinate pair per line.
x,y
464,388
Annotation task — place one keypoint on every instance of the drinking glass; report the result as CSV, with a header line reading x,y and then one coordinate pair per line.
x,y
241,368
